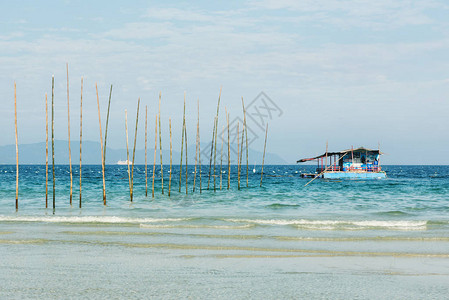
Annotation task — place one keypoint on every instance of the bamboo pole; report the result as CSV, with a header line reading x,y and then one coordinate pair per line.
x,y
160,145
241,154
221,158
185,135
324,171
17,147
263,159
182,142
81,131
127,155
238,156
134,150
229,152
46,151
53,138
196,153
154,158
68,131
105,138
146,169
199,144
246,138
215,150
101,146
169,178
213,139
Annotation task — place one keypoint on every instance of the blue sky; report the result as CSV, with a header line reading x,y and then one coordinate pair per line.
x,y
350,72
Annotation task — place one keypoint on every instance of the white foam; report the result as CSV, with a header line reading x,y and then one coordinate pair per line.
x,y
88,219
338,224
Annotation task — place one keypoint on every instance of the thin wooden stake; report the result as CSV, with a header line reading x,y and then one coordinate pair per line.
x,y
229,153
199,144
146,170
154,158
241,152
68,122
81,131
196,153
101,146
182,142
160,145
215,149
246,138
46,151
134,150
17,148
127,156
53,138
106,137
185,135
169,178
238,156
221,158
214,133
263,159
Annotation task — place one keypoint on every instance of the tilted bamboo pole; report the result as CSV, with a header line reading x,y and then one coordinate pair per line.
x,y
241,154
146,169
101,146
154,158
196,155
81,131
199,144
134,150
246,138
127,155
238,156
229,152
160,145
46,151
53,138
213,139
215,150
185,135
182,142
221,158
106,137
263,159
17,147
68,132
171,162
317,176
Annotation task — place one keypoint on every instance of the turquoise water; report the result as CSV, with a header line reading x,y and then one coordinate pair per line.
x,y
332,239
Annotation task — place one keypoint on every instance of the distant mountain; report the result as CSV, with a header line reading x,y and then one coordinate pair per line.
x,y
91,154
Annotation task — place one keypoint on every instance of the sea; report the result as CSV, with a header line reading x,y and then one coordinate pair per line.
x,y
279,239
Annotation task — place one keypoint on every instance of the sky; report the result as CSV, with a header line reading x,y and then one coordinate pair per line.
x,y
352,73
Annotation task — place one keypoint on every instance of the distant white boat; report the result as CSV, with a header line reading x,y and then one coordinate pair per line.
x,y
254,169
122,162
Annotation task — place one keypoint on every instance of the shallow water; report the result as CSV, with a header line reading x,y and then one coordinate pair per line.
x,y
332,239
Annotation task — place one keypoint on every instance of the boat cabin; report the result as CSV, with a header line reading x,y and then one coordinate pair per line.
x,y
352,163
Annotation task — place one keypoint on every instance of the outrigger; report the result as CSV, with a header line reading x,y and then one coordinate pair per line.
x,y
360,163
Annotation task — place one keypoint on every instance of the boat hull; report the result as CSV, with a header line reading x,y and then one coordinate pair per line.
x,y
354,175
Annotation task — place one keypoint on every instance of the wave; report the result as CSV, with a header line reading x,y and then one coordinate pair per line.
x,y
88,219
247,226
280,205
338,224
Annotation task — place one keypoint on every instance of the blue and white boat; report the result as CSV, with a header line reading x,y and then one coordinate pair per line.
x,y
360,163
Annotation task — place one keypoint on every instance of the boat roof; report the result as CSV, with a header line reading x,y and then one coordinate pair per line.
x,y
360,149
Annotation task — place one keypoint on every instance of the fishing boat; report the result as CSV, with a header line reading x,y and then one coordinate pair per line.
x,y
122,162
360,163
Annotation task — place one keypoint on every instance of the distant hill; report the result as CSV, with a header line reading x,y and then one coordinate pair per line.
x,y
35,154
